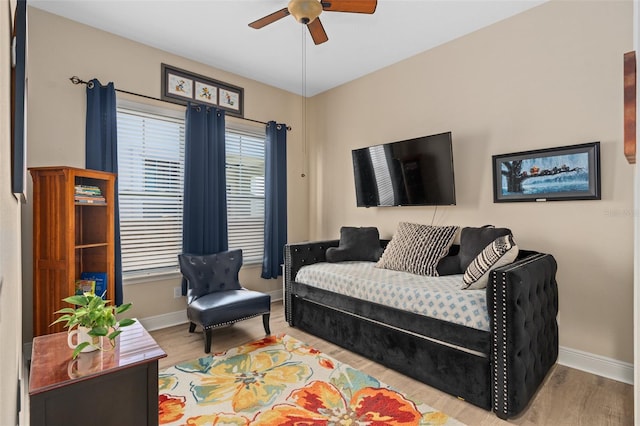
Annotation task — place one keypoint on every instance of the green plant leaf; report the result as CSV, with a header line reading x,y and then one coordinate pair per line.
x,y
125,322
77,300
114,334
95,302
79,348
65,311
61,319
97,331
120,309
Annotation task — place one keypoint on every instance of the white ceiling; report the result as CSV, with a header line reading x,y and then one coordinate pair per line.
x,y
216,33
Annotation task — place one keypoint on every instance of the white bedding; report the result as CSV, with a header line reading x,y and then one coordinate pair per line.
x,y
436,297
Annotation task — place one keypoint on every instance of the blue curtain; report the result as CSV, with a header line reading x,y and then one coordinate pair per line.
x,y
275,224
101,153
204,227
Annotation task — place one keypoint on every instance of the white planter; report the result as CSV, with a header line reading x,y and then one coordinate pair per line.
x,y
82,334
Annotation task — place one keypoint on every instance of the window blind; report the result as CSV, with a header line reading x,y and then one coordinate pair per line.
x,y
150,187
245,151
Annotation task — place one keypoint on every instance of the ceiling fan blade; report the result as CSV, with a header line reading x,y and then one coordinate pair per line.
x,y
318,34
353,6
269,19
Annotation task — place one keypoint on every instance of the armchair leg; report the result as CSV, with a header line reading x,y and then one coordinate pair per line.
x,y
192,327
265,322
207,341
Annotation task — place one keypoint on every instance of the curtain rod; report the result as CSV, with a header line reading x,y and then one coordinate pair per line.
x,y
76,80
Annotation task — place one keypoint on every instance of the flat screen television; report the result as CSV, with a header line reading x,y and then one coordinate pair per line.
x,y
413,172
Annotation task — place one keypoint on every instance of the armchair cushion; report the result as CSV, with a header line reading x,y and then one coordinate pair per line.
x,y
211,272
226,307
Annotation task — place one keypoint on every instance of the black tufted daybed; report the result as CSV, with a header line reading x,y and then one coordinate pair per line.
x,y
498,369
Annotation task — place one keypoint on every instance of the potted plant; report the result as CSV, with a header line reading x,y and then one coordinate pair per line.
x,y
94,317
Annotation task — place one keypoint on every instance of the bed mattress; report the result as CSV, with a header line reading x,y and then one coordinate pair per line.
x,y
435,297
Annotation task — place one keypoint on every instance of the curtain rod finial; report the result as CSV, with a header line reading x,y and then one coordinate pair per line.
x,y
77,80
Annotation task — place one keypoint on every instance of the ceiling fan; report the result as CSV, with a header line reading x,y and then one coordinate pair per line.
x,y
307,12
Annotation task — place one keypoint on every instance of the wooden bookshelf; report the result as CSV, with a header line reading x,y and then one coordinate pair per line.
x,y
69,238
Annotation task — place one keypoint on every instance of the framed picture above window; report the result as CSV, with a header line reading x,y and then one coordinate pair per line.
x,y
554,174
180,86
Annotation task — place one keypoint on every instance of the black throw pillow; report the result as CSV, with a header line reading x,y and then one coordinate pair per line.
x,y
450,264
357,244
474,240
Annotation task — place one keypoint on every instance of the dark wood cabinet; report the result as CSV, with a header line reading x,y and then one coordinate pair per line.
x,y
70,236
110,388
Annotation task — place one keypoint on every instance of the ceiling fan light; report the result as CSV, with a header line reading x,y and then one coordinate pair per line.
x,y
305,11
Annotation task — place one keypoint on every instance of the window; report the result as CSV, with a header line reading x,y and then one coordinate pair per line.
x,y
151,182
245,190
150,187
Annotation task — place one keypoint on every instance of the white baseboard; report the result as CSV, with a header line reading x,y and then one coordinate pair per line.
x,y
170,319
596,364
275,295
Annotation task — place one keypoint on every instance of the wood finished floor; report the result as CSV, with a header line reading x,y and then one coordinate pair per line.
x,y
567,397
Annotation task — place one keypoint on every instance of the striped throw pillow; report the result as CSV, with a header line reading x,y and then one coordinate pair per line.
x,y
502,251
417,248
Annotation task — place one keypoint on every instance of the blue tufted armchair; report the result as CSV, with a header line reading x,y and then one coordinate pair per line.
x,y
215,296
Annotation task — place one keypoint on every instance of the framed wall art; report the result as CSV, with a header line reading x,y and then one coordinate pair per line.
x,y
554,174
180,86
206,93
19,84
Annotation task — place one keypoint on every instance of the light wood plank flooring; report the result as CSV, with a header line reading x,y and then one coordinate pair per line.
x,y
568,396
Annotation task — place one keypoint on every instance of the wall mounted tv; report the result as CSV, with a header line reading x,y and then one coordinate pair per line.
x,y
414,172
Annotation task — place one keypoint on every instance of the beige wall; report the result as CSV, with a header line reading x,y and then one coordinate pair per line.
x,y
549,77
60,48
10,278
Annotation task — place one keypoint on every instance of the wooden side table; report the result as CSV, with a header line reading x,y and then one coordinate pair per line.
x,y
116,387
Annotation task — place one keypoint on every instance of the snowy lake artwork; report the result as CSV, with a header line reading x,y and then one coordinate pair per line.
x,y
562,173
540,175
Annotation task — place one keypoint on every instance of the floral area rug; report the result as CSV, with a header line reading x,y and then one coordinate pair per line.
x,y
281,381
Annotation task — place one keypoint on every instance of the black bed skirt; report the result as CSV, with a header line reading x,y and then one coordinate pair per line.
x,y
443,367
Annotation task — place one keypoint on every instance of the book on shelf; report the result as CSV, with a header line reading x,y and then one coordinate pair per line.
x,y
100,279
89,200
88,190
88,194
85,286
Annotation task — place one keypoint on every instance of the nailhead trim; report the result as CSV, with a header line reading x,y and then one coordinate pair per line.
x,y
500,395
288,314
504,342
234,321
495,344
